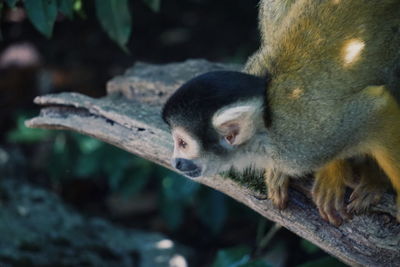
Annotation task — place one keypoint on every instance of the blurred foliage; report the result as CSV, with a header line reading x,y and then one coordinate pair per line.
x,y
113,15
115,18
22,134
237,257
308,246
153,4
11,3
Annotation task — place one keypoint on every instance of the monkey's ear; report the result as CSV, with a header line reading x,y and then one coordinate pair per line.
x,y
237,124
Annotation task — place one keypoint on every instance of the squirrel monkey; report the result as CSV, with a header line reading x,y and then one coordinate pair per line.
x,y
318,94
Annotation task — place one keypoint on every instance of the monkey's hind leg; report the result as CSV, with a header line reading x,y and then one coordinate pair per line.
x,y
370,187
385,143
329,188
277,187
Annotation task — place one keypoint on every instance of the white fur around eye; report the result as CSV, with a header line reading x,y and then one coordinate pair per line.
x,y
192,149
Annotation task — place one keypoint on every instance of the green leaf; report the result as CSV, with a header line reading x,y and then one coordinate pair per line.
x,y
78,8
66,7
42,14
115,18
153,4
11,3
232,257
325,261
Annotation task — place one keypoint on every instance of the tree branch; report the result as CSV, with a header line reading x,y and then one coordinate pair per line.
x,y
129,117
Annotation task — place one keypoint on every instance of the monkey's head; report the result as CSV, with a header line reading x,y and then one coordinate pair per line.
x,y
215,120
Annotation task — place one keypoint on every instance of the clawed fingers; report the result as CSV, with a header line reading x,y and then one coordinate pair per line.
x,y
279,196
330,203
277,185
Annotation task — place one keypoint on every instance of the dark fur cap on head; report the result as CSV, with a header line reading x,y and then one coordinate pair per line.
x,y
195,102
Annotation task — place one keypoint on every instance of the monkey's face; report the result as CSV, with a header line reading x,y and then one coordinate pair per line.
x,y
186,153
228,140
194,158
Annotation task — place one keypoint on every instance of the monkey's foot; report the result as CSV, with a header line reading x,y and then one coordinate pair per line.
x,y
330,203
363,196
328,191
277,187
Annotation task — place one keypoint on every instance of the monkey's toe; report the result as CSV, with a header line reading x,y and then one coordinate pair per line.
x,y
363,198
329,214
330,204
279,197
277,188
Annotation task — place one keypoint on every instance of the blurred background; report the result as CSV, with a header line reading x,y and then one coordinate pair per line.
x,y
71,45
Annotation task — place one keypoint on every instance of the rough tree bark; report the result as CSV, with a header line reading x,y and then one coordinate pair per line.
x,y
129,117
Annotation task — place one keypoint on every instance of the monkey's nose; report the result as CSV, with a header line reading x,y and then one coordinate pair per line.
x,y
178,164
185,165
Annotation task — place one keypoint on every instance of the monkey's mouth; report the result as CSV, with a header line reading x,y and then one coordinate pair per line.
x,y
193,174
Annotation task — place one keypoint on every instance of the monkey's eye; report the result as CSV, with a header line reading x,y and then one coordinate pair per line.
x,y
181,143
230,138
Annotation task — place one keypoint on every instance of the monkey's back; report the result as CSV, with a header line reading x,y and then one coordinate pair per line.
x,y
355,42
318,75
